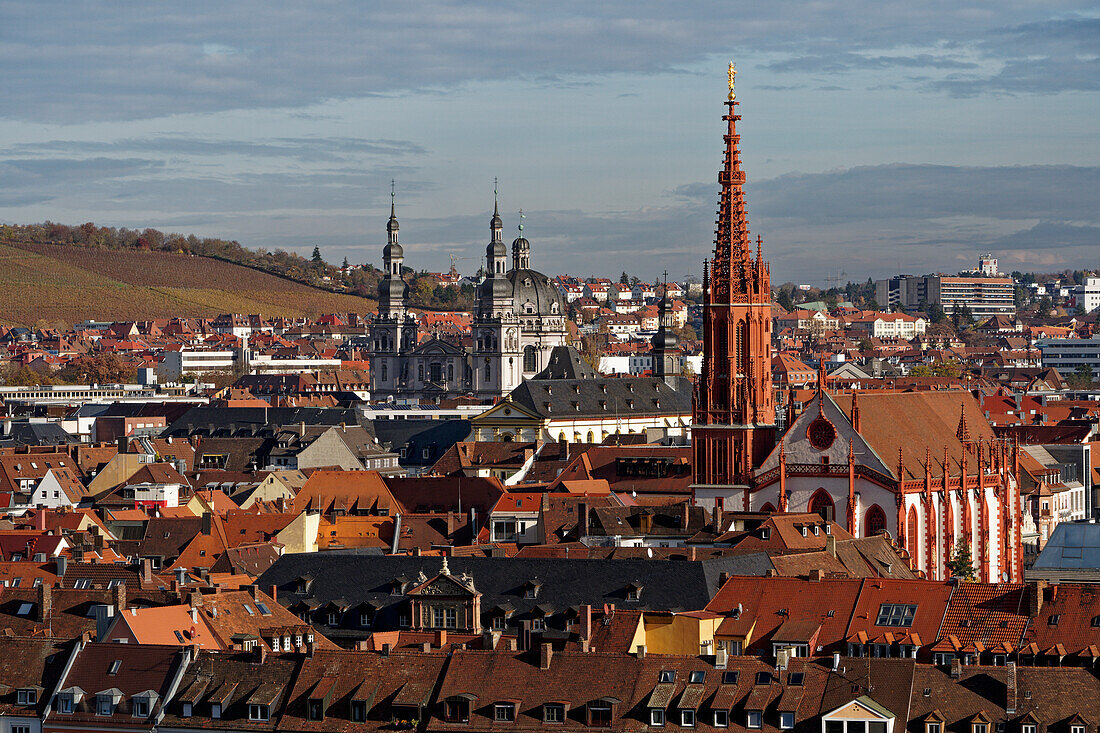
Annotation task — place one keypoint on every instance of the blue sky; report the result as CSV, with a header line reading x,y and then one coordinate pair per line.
x,y
876,135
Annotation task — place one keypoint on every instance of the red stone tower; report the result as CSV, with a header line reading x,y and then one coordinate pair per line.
x,y
733,420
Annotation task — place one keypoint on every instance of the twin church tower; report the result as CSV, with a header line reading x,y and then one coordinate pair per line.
x,y
519,318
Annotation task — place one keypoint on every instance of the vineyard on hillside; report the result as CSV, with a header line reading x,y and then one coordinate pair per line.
x,y
66,284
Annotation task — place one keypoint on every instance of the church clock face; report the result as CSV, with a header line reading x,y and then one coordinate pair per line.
x,y
821,433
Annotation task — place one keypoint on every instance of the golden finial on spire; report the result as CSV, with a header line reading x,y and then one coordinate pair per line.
x,y
733,77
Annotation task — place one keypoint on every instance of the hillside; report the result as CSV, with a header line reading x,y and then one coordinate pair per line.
x,y
52,283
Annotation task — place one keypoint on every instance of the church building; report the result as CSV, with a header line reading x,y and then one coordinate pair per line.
x,y
520,318
924,467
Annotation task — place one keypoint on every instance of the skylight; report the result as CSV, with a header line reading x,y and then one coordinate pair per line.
x,y
263,608
25,609
113,669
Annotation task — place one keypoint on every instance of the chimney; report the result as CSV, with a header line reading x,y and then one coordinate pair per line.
x,y
956,668
585,620
513,643
310,648
582,519
452,522
1010,688
685,515
641,651
1035,597
146,570
206,523
261,652
836,661
830,545
440,638
426,647
40,520
816,575
385,650
118,597
782,658
273,591
546,653
45,602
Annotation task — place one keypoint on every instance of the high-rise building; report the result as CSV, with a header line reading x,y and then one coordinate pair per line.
x,y
733,421
983,296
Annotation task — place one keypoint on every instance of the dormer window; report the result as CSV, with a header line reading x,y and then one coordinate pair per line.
x,y
258,712
984,728
599,714
765,533
656,717
697,677
666,676
721,718
730,677
26,697
504,712
553,712
358,711
216,710
937,728
315,709
141,707
786,721
104,705
456,709
687,718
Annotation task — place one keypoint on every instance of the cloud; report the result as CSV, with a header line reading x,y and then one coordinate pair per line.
x,y
1051,235
304,149
128,60
845,62
904,191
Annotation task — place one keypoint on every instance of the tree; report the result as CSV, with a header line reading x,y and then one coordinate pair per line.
x,y
865,344
316,258
785,299
935,313
1081,377
624,279
343,266
1046,305
961,563
107,368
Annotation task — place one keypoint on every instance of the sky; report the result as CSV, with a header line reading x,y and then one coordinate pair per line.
x,y
877,136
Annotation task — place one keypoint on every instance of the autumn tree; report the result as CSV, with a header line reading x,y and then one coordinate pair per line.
x,y
961,563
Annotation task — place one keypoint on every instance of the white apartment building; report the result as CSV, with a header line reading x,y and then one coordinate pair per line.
x,y
1067,355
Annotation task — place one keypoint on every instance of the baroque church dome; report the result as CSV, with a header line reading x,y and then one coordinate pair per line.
x,y
533,293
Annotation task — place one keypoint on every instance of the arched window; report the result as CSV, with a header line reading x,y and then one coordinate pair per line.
x,y
420,372
384,370
530,358
451,371
874,522
591,437
912,534
767,507
742,348
950,521
821,503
